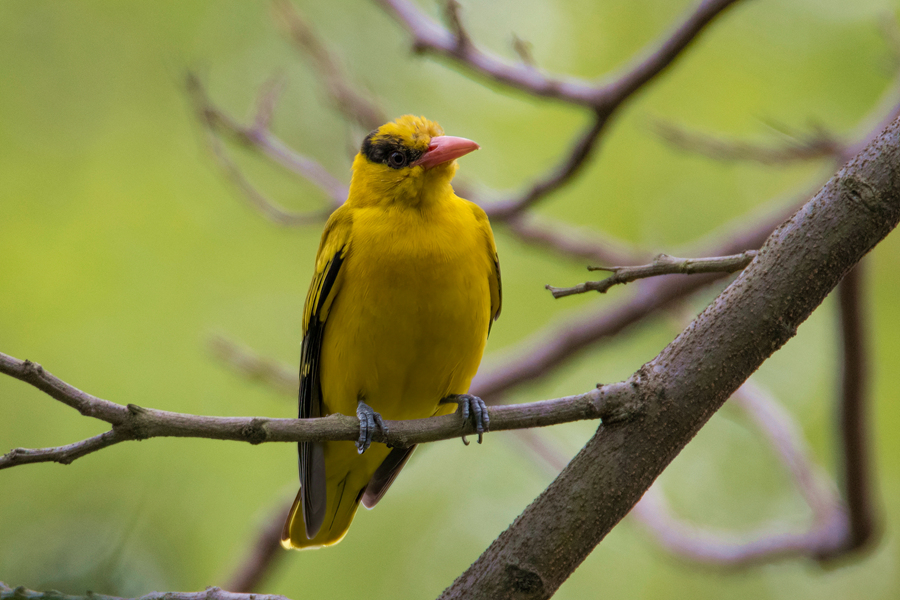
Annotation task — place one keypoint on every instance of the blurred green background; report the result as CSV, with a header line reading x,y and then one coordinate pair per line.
x,y
124,248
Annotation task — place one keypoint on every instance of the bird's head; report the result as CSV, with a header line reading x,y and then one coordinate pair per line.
x,y
408,160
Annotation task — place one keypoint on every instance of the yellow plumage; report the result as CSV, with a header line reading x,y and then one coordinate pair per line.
x,y
406,286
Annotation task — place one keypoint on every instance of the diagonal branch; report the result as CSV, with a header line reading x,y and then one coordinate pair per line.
x,y
801,262
353,105
265,554
258,137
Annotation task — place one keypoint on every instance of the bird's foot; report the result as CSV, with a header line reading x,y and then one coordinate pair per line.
x,y
473,406
368,421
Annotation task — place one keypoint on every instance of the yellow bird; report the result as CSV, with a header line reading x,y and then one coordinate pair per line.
x,y
406,287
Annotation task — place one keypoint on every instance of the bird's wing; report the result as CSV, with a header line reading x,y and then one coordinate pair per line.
x,y
325,285
494,276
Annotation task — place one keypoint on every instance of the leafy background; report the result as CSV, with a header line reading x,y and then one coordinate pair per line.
x,y
122,248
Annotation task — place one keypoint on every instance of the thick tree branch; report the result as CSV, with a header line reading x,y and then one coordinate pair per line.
x,y
662,264
801,262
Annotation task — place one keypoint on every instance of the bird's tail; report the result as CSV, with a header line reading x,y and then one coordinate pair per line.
x,y
342,505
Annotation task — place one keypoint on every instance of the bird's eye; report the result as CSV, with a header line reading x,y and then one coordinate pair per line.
x,y
397,160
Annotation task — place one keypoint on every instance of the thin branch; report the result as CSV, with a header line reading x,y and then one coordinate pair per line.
x,y
547,349
570,241
265,555
854,414
691,542
63,455
211,593
253,366
816,145
262,140
132,422
431,37
354,106
265,205
557,177
602,99
662,264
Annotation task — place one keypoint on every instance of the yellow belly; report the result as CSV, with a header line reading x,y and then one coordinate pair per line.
x,y
410,322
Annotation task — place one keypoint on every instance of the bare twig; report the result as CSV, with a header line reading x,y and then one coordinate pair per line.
x,y
549,348
816,145
662,264
253,366
430,37
570,241
131,422
602,98
354,106
261,139
557,177
211,593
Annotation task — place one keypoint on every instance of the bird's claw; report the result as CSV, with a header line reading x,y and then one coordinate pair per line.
x,y
368,421
475,407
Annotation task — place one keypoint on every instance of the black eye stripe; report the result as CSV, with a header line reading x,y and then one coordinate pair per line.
x,y
380,151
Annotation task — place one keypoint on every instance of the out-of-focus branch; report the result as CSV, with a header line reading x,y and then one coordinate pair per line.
x,y
211,593
612,402
855,465
817,144
556,178
571,242
354,106
547,349
265,555
662,264
259,137
602,98
254,366
825,536
433,38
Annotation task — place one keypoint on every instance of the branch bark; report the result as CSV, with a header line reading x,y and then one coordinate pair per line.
x,y
662,264
133,422
801,262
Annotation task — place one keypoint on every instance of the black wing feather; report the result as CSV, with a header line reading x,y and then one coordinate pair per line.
x,y
312,454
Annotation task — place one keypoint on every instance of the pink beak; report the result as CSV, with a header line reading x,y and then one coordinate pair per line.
x,y
445,148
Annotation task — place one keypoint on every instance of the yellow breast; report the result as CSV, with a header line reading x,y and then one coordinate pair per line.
x,y
411,320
